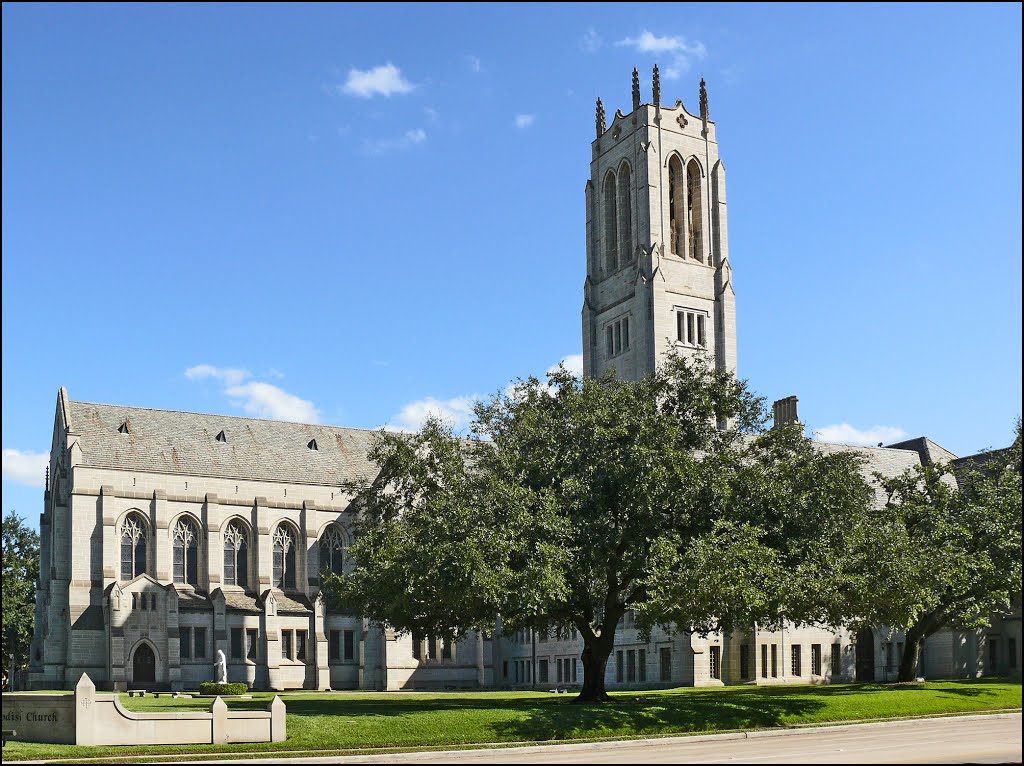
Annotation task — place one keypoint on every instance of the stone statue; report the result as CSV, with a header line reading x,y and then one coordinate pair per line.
x,y
220,667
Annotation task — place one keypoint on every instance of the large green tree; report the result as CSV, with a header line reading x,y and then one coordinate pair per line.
x,y
20,572
580,499
945,550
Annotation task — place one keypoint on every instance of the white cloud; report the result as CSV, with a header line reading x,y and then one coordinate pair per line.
x,y
25,467
475,65
259,399
844,433
407,140
524,120
681,50
573,363
230,376
456,412
591,41
383,80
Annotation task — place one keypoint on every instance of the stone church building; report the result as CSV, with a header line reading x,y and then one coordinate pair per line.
x,y
167,536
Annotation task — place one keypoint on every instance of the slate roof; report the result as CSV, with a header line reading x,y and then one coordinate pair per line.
x,y
241,602
173,442
191,601
888,461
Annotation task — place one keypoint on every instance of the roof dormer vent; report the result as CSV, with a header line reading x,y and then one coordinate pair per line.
x,y
312,444
125,427
222,437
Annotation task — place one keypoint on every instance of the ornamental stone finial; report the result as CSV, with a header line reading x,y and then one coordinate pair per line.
x,y
657,86
704,105
600,118
636,89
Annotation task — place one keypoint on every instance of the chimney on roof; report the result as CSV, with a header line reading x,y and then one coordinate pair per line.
x,y
784,412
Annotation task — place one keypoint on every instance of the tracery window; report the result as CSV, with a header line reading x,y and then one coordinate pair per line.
x,y
611,236
284,557
694,222
675,206
332,550
236,555
185,539
625,213
133,546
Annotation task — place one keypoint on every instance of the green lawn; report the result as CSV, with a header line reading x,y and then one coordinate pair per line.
x,y
353,720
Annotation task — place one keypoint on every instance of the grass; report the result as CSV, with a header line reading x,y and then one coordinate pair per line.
x,y
359,721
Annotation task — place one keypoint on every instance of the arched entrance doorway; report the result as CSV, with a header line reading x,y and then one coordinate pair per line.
x,y
143,667
865,656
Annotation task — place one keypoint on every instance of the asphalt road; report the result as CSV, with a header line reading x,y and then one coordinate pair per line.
x,y
974,739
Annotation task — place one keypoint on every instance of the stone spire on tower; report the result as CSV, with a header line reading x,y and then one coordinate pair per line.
x,y
636,89
704,106
600,118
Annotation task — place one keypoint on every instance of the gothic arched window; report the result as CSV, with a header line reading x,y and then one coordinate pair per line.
x,y
625,210
284,557
694,218
611,236
185,539
236,555
134,532
675,206
332,550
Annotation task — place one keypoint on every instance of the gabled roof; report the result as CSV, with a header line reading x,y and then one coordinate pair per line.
x,y
173,442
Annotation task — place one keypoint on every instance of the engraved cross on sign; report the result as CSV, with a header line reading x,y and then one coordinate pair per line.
x,y
681,119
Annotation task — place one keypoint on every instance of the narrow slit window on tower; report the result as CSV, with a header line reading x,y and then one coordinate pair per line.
x,y
675,206
701,333
694,219
611,233
617,336
691,328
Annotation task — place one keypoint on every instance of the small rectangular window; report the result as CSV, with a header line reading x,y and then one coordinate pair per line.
x,y
665,663
334,646
631,666
641,659
689,328
625,332
815,659
236,643
796,660
715,661
286,644
618,337
744,661
184,644
417,645
764,660
775,660
573,666
610,335
619,666
431,648
300,645
446,649
993,654
542,671
701,337
836,659
1011,651
200,643
252,644
350,645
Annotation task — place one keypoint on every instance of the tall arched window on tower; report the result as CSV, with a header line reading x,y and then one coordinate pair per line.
x,y
332,550
134,532
611,236
185,539
236,555
284,557
675,206
694,217
622,184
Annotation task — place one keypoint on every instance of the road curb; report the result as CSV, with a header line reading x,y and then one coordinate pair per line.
x,y
471,752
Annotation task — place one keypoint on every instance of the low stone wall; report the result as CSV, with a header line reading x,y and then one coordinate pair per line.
x,y
88,718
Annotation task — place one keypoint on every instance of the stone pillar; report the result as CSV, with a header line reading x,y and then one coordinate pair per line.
x,y
263,546
320,644
85,711
219,711
278,720
272,640
173,647
163,555
111,550
213,520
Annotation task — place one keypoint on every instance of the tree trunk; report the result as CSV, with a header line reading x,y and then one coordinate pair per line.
x,y
595,659
911,654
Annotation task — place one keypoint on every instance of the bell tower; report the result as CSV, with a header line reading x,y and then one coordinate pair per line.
x,y
658,272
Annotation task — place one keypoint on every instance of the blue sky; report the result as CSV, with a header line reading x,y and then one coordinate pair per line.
x,y
356,214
